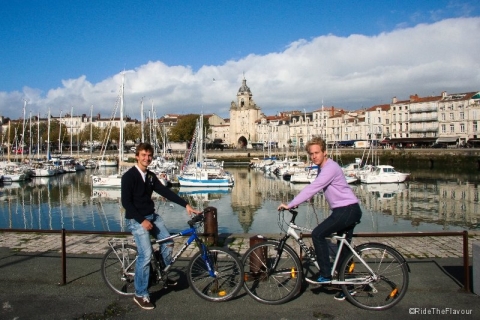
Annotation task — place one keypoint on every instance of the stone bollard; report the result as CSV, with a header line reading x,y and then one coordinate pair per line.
x,y
476,267
258,257
211,226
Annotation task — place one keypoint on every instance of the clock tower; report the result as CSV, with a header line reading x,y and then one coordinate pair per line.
x,y
243,115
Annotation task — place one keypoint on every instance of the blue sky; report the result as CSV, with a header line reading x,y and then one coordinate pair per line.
x,y
294,54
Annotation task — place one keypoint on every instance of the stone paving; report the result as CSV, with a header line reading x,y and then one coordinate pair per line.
x,y
410,247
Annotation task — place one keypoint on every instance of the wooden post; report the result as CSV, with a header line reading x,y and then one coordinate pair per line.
x,y
211,226
258,257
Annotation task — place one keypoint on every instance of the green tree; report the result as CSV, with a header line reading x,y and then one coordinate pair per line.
x,y
185,128
85,134
132,132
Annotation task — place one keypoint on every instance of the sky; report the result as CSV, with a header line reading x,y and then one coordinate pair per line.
x,y
190,56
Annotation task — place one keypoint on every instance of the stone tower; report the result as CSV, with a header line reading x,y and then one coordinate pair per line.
x,y
243,115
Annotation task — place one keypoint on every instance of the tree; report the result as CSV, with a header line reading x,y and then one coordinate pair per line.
x,y
185,128
132,132
85,134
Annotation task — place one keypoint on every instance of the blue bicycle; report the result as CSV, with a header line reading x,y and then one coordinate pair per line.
x,y
214,273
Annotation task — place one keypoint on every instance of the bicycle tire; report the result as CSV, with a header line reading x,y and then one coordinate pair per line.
x,y
392,277
118,269
272,286
228,270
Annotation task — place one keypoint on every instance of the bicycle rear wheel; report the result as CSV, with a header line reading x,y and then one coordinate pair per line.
x,y
386,287
228,278
118,269
268,285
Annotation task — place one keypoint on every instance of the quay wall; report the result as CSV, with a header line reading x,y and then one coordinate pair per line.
x,y
428,158
450,158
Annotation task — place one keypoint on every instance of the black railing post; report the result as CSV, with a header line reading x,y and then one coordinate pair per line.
x,y
466,262
64,259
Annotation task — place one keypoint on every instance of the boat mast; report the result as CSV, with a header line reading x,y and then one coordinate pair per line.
x,y
91,128
48,135
142,120
38,135
71,130
22,142
121,122
60,133
30,135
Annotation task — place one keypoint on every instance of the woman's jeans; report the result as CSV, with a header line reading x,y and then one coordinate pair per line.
x,y
338,221
144,248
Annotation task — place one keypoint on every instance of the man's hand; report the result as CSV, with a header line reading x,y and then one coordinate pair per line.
x,y
147,225
192,211
282,206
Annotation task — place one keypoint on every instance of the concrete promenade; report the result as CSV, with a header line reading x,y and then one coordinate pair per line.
x,y
30,265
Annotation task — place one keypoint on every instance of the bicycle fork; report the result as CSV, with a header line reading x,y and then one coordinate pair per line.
x,y
208,259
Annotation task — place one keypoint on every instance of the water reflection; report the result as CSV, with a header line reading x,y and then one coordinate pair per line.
x,y
428,201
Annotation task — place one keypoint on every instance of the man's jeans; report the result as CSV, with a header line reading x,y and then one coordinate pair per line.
x,y
340,219
144,248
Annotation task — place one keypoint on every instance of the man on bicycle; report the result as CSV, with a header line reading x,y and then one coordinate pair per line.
x,y
138,184
341,199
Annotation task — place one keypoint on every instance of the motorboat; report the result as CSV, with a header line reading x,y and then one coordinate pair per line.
x,y
384,174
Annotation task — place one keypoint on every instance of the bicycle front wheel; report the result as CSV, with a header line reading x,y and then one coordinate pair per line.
x,y
228,278
271,284
118,269
378,291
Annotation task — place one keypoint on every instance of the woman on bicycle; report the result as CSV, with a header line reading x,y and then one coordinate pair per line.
x,y
138,184
340,197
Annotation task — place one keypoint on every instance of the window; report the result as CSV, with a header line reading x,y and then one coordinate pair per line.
x,y
462,115
443,116
462,127
475,127
387,121
444,128
451,116
452,128
379,120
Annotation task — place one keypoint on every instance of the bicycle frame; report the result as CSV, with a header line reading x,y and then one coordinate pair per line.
x,y
193,236
292,232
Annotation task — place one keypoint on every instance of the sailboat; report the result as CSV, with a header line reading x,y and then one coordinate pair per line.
x,y
113,180
200,172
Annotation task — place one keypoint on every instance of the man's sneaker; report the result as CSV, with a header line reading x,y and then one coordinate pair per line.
x,y
143,302
322,279
171,283
341,296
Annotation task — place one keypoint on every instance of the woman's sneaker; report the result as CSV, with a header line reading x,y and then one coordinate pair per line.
x,y
322,279
341,296
143,302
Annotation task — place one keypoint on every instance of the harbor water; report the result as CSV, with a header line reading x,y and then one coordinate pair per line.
x,y
429,201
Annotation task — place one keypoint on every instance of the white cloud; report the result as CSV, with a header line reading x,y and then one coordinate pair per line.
x,y
348,72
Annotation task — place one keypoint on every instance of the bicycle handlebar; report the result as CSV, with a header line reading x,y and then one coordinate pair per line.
x,y
292,211
197,218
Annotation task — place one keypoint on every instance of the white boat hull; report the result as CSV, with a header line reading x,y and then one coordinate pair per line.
x,y
190,182
107,181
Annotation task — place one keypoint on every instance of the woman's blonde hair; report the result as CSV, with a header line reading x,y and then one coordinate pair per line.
x,y
318,141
